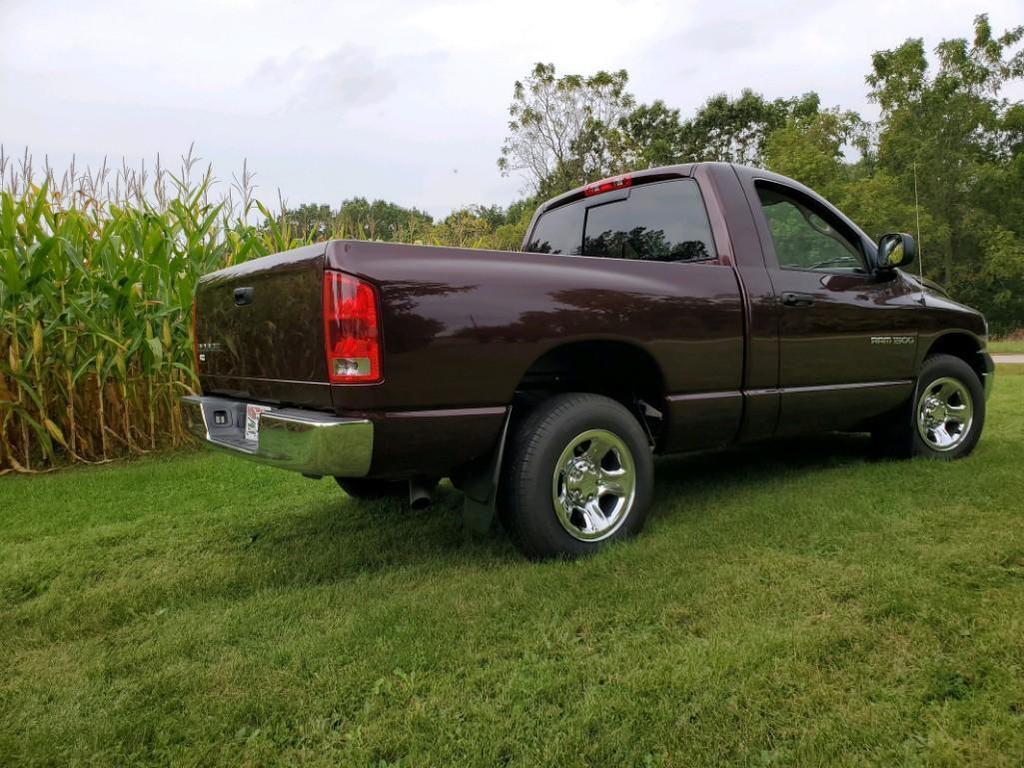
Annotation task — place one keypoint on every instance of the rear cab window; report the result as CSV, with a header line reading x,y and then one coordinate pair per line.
x,y
661,221
559,231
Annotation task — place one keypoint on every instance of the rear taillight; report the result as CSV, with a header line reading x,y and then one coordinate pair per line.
x,y
351,330
608,185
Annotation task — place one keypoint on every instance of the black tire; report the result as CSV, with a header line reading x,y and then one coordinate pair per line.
x,y
902,436
543,441
367,489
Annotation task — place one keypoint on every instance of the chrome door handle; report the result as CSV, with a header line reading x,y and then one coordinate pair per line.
x,y
791,299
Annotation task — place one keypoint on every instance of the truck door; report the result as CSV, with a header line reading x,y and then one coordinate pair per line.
x,y
847,338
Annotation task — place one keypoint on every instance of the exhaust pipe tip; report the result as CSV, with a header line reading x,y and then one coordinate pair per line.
x,y
420,492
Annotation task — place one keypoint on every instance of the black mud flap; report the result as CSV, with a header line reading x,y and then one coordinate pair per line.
x,y
480,487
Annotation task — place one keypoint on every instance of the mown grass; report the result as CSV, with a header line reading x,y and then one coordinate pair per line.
x,y
1007,347
794,604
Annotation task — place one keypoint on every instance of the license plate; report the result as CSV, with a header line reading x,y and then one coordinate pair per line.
x,y
252,421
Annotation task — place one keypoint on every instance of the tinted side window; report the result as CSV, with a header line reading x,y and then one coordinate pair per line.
x,y
665,221
558,231
806,235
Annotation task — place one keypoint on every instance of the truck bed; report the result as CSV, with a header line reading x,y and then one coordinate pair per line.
x,y
460,330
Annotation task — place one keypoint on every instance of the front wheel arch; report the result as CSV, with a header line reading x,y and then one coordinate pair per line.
x,y
959,344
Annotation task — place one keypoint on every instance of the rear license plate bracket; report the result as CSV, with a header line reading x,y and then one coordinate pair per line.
x,y
252,421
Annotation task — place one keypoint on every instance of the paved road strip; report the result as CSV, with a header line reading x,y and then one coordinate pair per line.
x,y
1013,359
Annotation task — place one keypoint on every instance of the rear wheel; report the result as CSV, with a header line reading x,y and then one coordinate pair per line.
x,y
944,419
578,473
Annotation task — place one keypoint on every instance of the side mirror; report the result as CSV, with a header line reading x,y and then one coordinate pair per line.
x,y
897,249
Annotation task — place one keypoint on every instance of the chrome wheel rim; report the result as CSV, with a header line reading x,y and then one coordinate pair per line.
x,y
594,485
945,412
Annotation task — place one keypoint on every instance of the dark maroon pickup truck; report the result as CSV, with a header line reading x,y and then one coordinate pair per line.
x,y
674,309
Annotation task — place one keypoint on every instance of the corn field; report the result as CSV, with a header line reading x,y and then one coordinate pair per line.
x,y
97,273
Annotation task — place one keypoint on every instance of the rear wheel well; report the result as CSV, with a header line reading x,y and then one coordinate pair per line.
x,y
619,370
960,345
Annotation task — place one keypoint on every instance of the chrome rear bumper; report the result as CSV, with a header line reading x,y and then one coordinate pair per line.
x,y
310,442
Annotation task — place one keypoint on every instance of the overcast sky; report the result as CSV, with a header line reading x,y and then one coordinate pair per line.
x,y
401,99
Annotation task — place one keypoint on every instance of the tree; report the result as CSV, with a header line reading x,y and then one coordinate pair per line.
x,y
549,114
380,220
648,136
735,130
310,221
953,129
723,129
811,148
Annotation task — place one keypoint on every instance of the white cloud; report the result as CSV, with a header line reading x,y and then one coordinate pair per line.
x,y
402,99
347,78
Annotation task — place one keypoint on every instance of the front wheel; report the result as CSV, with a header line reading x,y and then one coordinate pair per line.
x,y
946,414
578,473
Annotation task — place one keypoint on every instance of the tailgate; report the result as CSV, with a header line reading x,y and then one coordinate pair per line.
x,y
259,330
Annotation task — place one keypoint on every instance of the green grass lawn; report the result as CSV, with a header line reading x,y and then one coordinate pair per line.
x,y
793,604
1007,347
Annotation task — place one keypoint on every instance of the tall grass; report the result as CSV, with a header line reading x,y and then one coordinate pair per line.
x,y
97,273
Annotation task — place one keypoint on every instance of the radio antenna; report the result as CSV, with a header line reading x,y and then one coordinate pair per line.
x,y
917,217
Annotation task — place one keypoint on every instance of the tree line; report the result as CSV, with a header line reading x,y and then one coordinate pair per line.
x,y
947,137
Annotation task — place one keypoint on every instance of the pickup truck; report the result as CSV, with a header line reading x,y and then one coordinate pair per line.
x,y
674,309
